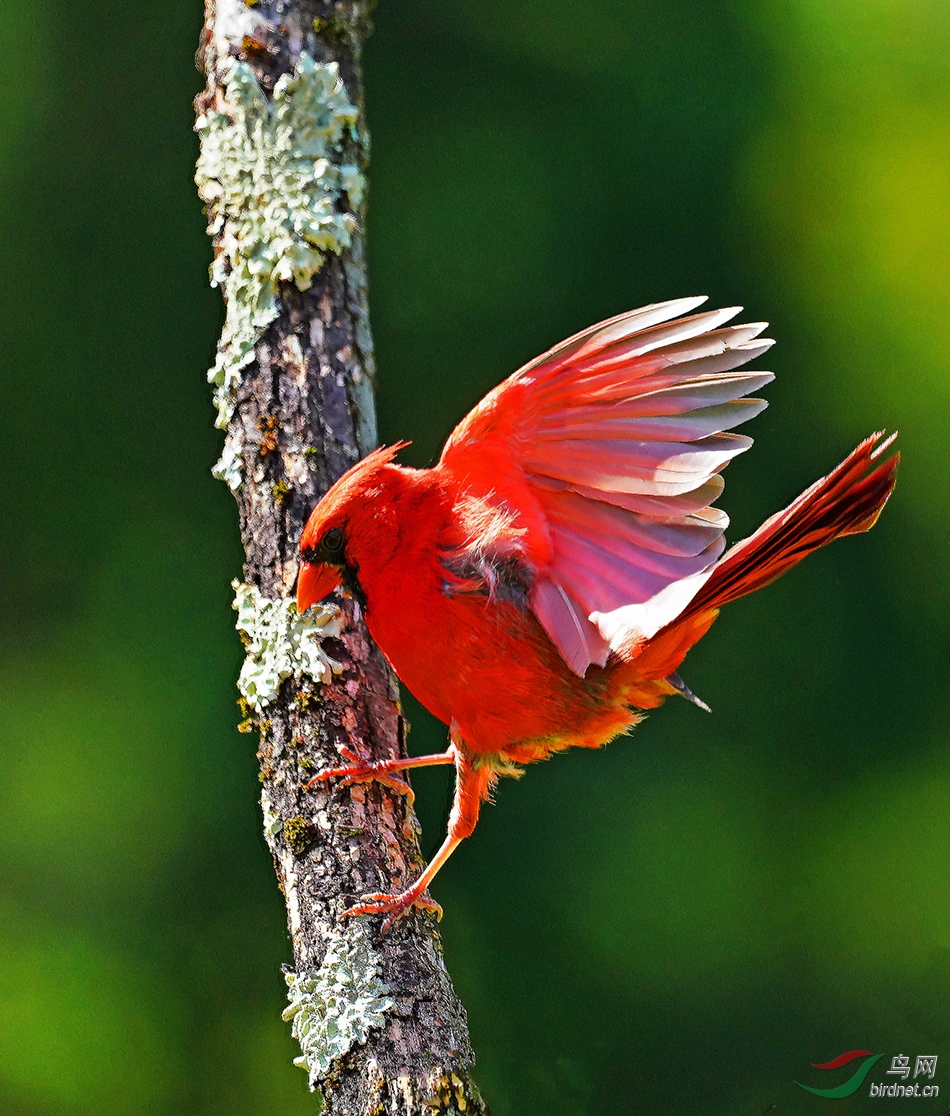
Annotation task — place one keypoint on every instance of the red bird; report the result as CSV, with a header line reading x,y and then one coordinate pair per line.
x,y
545,579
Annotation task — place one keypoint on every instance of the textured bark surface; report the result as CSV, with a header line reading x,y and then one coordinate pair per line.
x,y
303,416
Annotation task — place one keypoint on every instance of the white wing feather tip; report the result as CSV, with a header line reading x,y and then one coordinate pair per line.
x,y
645,620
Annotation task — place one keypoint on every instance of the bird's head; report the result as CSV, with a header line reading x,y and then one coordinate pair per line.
x,y
327,544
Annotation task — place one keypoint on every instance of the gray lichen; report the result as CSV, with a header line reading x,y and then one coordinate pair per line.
x,y
333,1010
272,823
228,466
280,642
273,178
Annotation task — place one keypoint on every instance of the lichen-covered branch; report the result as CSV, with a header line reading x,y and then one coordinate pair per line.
x,y
281,173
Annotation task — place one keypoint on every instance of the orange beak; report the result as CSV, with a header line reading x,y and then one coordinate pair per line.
x,y
314,582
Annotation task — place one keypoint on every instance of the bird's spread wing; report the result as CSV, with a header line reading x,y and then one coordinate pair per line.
x,y
607,450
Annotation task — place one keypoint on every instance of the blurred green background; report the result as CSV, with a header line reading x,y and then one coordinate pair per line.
x,y
727,898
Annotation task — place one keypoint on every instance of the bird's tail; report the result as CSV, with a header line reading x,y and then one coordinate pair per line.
x,y
845,502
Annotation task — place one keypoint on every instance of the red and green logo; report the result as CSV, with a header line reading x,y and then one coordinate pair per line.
x,y
854,1081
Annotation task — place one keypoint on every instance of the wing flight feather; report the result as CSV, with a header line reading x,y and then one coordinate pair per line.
x,y
607,450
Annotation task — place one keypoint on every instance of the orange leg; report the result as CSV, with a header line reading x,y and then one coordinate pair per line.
x,y
381,771
471,786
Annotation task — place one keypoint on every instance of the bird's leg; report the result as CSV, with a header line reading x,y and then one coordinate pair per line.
x,y
380,771
471,787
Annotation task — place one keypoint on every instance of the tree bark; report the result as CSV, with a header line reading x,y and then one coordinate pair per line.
x,y
283,151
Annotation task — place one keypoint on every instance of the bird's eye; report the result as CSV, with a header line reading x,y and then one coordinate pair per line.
x,y
333,540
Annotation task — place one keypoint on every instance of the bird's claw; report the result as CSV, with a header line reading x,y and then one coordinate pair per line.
x,y
394,906
359,772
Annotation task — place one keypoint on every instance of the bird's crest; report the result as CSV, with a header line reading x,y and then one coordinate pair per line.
x,y
355,483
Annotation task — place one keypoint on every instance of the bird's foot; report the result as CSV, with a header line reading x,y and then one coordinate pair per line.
x,y
358,772
395,906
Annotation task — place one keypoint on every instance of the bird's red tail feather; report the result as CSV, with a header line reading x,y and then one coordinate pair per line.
x,y
846,502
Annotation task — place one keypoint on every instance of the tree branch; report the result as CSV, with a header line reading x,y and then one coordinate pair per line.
x,y
283,148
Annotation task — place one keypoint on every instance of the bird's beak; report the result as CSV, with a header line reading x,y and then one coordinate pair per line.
x,y
314,582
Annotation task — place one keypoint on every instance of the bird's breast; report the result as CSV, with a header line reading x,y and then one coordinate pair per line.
x,y
487,667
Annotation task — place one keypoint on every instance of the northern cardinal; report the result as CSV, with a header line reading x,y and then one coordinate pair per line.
x,y
545,579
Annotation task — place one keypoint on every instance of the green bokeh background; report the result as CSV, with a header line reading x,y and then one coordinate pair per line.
x,y
680,923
